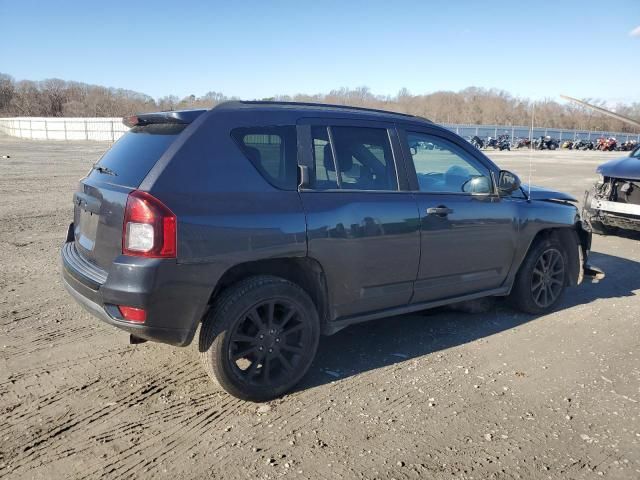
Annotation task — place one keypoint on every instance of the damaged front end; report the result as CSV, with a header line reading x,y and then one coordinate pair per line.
x,y
612,203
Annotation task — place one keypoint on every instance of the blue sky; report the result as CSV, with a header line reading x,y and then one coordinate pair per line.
x,y
255,49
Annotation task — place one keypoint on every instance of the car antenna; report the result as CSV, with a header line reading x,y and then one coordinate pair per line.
x,y
533,116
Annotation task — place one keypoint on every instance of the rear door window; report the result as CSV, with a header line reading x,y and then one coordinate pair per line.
x,y
272,151
129,160
363,158
324,166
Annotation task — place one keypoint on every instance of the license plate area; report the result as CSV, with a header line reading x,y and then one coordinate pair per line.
x,y
86,229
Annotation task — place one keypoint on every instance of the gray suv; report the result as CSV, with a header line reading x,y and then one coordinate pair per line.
x,y
271,223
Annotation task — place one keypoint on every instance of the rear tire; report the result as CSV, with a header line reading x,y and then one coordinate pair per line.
x,y
260,337
542,278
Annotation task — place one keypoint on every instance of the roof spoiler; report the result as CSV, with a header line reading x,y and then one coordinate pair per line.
x,y
182,117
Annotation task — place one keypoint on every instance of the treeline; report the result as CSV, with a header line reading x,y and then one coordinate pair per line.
x,y
60,98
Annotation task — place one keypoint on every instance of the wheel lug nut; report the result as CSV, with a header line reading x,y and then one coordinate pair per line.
x,y
261,337
277,340
271,350
260,348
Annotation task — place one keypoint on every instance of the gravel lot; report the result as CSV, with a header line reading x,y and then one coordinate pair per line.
x,y
438,394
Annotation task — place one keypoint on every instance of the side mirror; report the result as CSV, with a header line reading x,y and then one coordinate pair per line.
x,y
508,182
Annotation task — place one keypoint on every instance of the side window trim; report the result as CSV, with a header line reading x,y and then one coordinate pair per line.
x,y
332,146
411,169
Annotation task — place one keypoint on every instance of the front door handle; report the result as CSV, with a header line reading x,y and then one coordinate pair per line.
x,y
440,210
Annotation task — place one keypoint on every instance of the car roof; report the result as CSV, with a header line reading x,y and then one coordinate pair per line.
x,y
319,108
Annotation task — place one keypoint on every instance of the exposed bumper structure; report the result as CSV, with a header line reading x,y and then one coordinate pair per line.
x,y
613,203
607,206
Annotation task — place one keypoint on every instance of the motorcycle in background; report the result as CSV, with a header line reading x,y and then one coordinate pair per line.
x,y
545,143
606,144
503,142
627,146
477,142
582,144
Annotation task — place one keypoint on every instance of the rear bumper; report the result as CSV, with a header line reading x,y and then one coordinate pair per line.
x,y
173,295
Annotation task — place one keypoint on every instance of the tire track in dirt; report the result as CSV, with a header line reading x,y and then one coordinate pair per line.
x,y
44,444
173,443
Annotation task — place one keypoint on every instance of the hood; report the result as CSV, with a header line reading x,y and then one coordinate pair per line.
x,y
541,193
625,167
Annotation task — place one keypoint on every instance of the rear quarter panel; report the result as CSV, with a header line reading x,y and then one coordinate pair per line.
x,y
227,212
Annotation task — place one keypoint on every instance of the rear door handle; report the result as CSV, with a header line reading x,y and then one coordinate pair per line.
x,y
440,210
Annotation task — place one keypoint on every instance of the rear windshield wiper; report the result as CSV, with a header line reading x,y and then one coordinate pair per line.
x,y
105,170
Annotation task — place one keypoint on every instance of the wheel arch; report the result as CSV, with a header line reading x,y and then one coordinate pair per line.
x,y
303,271
572,243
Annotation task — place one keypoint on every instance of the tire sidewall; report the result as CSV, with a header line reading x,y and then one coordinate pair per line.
x,y
230,314
522,296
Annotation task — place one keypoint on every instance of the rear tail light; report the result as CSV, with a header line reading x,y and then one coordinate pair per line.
x,y
149,229
132,314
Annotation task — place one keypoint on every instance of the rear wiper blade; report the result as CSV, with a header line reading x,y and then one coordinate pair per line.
x,y
105,170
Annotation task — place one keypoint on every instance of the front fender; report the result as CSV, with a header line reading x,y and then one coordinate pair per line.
x,y
561,220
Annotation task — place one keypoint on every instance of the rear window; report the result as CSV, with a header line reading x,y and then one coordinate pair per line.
x,y
272,150
131,157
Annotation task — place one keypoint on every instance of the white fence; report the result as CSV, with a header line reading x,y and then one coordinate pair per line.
x,y
110,129
53,128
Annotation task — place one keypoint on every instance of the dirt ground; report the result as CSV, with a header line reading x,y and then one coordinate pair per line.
x,y
437,394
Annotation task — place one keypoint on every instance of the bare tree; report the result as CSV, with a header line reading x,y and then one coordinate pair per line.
x,y
473,105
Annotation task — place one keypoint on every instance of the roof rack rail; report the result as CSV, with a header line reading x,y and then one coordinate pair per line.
x,y
326,105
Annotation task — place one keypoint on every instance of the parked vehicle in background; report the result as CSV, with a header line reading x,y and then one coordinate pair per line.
x,y
502,142
627,146
477,142
567,144
606,144
523,142
583,144
545,143
614,201
270,223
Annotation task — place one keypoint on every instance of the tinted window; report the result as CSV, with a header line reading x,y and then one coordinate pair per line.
x,y
272,150
442,167
136,153
363,158
324,167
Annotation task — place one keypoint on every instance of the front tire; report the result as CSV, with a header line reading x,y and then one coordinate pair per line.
x,y
260,338
542,278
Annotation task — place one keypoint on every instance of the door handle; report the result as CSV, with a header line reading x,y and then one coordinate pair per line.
x,y
440,210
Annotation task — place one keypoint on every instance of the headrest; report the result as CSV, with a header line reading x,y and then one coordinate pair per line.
x,y
456,175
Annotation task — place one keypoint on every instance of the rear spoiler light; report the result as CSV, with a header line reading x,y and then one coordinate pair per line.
x,y
180,117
